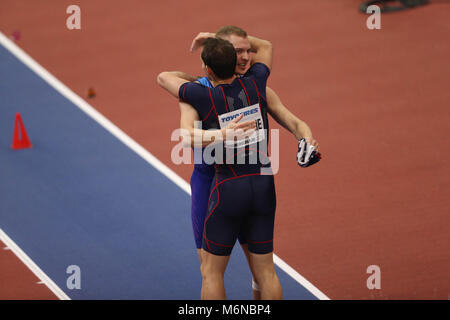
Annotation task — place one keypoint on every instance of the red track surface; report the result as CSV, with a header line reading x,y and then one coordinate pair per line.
x,y
17,281
376,100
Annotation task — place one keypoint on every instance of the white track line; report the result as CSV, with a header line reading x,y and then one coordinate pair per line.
x,y
128,141
32,266
299,278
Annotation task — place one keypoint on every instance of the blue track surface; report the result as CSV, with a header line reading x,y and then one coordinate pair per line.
x,y
81,197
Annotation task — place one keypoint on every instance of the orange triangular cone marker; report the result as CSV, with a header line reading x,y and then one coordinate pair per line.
x,y
18,143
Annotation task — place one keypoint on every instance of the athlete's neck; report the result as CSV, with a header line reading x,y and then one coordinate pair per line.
x,y
216,82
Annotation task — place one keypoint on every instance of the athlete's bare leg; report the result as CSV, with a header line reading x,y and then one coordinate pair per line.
x,y
256,293
264,272
213,269
199,251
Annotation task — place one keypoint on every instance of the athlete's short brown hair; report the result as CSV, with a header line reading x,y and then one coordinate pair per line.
x,y
229,30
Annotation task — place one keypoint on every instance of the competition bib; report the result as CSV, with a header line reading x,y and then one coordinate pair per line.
x,y
250,113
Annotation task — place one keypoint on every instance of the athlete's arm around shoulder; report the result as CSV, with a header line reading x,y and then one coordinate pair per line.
x,y
197,137
263,51
172,81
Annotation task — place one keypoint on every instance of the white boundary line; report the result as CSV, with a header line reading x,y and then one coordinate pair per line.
x,y
128,141
32,266
299,278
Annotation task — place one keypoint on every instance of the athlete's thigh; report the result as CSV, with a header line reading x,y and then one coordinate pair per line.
x,y
229,203
259,225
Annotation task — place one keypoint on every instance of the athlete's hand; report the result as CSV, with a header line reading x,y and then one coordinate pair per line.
x,y
198,40
236,130
307,154
312,142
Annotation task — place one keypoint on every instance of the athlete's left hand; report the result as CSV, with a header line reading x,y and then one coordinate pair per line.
x,y
236,130
198,40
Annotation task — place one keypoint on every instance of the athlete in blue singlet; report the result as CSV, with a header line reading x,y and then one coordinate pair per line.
x,y
242,201
202,172
203,175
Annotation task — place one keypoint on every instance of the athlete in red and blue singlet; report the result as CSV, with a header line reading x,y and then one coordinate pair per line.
x,y
241,200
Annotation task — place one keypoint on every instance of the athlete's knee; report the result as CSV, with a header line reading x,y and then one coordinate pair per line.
x,y
266,273
210,269
263,269
210,273
268,283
